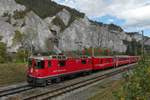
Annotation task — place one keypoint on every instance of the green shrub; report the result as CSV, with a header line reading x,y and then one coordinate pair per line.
x,y
133,47
1,37
19,14
115,27
3,52
22,55
18,37
137,84
57,21
43,8
5,14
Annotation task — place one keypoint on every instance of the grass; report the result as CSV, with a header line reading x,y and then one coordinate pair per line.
x,y
107,92
12,73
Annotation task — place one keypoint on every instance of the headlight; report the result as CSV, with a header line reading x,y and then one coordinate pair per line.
x,y
31,70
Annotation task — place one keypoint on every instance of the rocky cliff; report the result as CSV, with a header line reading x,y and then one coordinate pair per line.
x,y
41,25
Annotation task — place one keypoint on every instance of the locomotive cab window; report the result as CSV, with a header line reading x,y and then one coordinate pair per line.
x,y
62,63
83,61
39,64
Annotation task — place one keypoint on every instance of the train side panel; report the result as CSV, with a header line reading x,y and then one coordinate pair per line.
x,y
73,66
102,63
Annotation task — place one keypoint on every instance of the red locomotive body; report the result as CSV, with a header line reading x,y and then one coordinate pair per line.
x,y
43,70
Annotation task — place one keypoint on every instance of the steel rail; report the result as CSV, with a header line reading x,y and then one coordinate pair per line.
x,y
15,90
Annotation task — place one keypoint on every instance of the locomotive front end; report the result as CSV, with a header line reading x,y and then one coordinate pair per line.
x,y
35,73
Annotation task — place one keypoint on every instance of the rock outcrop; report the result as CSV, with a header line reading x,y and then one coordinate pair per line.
x,y
65,30
9,6
65,16
37,31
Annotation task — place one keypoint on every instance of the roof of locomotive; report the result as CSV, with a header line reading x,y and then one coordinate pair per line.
x,y
55,57
48,57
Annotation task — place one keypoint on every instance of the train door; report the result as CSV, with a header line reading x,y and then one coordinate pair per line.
x,y
38,68
52,67
62,66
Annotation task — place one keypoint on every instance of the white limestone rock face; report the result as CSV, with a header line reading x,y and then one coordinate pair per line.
x,y
74,34
49,20
90,36
7,34
81,33
147,42
137,37
9,6
113,40
37,31
128,38
65,16
55,27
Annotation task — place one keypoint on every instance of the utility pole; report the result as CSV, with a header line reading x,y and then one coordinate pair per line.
x,y
142,49
92,45
92,51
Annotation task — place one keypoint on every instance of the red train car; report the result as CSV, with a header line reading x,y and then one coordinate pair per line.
x,y
134,59
42,70
122,60
103,62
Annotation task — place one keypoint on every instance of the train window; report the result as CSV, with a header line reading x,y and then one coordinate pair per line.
x,y
54,57
62,63
40,65
83,61
49,63
59,57
64,57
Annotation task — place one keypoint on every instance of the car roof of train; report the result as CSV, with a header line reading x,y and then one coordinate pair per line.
x,y
51,56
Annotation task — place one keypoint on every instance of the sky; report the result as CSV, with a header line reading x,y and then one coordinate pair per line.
x,y
131,15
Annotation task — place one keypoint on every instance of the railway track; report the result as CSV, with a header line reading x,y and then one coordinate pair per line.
x,y
15,90
77,85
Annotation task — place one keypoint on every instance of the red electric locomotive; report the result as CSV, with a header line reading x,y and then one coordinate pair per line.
x,y
45,69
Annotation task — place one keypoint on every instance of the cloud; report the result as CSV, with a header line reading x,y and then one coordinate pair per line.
x,y
139,16
136,13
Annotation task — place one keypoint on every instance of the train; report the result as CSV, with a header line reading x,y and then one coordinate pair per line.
x,y
43,70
